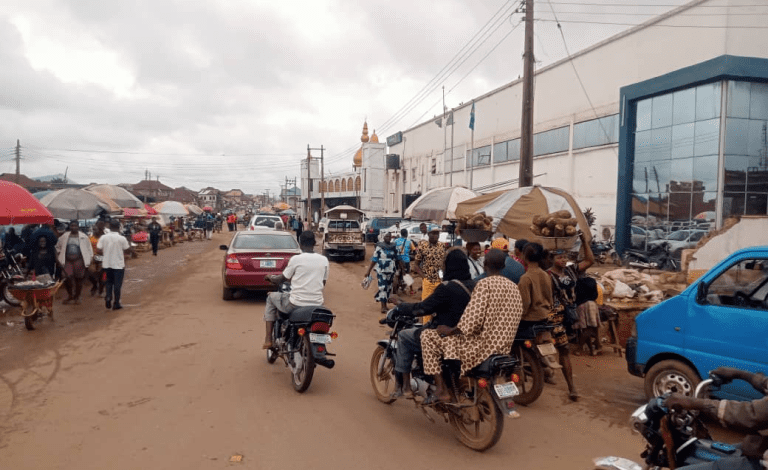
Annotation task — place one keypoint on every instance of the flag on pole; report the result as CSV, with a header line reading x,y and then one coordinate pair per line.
x,y
449,122
472,117
439,122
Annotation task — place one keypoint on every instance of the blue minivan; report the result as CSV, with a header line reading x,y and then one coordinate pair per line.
x,y
721,319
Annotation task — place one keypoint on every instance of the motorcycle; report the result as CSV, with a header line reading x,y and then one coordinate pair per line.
x,y
10,272
674,439
657,257
533,351
480,399
300,338
605,252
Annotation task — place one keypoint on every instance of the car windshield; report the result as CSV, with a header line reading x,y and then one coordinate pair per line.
x,y
265,222
678,236
266,241
343,224
696,236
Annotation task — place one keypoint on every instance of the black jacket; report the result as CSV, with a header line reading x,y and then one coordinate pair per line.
x,y
448,302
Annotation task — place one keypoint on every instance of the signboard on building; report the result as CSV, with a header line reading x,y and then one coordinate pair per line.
x,y
395,139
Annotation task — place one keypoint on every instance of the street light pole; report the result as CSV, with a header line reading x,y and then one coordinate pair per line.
x,y
322,181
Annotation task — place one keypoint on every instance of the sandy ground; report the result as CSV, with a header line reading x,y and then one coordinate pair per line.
x,y
177,380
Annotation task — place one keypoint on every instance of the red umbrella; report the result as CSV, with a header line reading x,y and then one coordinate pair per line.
x,y
150,210
208,208
19,206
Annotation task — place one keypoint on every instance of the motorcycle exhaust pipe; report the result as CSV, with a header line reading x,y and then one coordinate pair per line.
x,y
325,362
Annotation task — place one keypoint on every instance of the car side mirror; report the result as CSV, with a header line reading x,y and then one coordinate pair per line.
x,y
701,293
223,247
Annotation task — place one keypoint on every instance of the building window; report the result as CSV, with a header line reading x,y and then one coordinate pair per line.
x,y
552,141
596,132
481,156
413,174
434,166
745,189
675,182
405,175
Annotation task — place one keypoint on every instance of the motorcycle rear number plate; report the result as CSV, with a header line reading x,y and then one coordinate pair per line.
x,y
268,263
546,349
318,338
506,390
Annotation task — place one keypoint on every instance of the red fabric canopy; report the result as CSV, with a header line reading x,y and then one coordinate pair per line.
x,y
133,212
19,206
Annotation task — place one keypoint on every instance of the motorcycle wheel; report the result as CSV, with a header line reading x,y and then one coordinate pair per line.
x,y
531,374
302,374
478,427
383,384
9,298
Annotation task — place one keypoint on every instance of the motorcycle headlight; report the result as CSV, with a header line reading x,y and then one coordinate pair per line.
x,y
638,419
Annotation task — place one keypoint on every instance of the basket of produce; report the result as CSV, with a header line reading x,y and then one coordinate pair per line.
x,y
140,237
475,228
555,231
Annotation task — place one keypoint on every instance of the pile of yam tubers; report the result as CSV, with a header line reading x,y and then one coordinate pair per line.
x,y
476,222
556,224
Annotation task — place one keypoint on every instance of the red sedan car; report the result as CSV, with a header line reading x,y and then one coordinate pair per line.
x,y
251,256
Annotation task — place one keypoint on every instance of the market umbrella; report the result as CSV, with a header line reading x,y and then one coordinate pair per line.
x,y
171,208
19,206
288,212
121,196
438,204
193,208
74,204
133,212
150,210
513,210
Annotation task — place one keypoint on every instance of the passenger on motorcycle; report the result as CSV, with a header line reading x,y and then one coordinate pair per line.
x,y
447,302
487,327
751,416
308,273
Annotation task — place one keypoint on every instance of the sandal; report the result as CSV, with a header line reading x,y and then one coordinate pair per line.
x,y
573,396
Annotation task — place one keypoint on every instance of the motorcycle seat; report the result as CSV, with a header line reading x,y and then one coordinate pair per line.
x,y
492,365
304,314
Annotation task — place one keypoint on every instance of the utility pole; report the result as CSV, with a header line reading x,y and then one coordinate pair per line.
x,y
526,137
18,160
452,127
309,186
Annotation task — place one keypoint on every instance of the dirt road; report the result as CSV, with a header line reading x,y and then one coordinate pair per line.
x,y
177,380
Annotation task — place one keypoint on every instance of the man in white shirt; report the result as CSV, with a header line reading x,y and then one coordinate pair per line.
x,y
112,245
308,273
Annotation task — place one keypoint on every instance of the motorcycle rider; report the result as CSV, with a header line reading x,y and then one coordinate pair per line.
x,y
447,302
750,416
308,273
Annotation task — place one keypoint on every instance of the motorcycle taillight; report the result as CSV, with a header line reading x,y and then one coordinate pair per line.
x,y
320,327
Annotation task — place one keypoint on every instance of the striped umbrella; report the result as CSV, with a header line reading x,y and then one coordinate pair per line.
x,y
513,210
438,204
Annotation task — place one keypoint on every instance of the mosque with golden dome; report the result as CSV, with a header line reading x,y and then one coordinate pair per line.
x,y
363,187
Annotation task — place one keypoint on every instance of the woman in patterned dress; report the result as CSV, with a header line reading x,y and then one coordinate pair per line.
x,y
488,326
385,259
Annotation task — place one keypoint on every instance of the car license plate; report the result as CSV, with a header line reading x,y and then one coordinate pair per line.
x,y
506,390
546,349
268,263
318,338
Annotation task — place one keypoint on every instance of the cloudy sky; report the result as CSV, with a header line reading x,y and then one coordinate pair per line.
x,y
228,93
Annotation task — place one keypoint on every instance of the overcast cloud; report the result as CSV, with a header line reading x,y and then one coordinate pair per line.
x,y
229,93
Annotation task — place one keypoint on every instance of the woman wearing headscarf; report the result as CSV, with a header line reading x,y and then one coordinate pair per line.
x,y
488,326
447,303
385,259
42,258
12,241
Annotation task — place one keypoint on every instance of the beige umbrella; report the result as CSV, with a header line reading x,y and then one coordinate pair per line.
x,y
171,208
513,210
438,204
121,196
194,209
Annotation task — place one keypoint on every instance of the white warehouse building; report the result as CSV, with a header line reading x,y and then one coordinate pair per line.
x,y
672,126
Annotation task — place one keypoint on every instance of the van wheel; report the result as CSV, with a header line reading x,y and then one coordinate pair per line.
x,y
670,376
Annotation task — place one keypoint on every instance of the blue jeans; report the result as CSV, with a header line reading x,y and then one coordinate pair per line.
x,y
114,283
407,347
